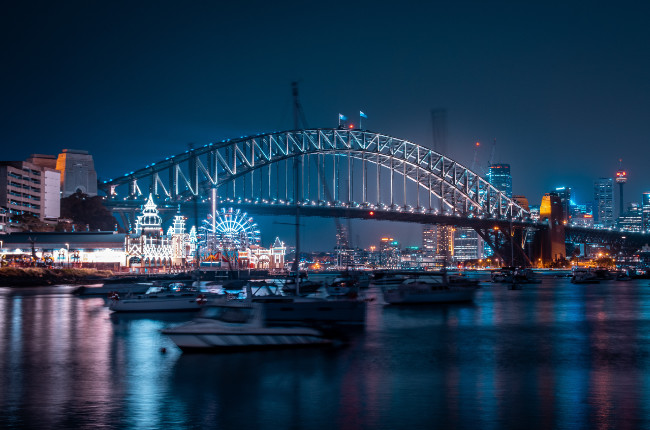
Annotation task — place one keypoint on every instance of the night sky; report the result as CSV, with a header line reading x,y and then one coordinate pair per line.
x,y
563,88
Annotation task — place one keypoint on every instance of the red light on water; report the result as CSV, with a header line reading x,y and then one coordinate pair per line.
x,y
372,213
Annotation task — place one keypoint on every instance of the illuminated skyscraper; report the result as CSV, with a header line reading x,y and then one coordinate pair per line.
x,y
29,188
429,240
645,208
389,253
468,245
632,219
499,176
621,179
438,242
604,198
564,193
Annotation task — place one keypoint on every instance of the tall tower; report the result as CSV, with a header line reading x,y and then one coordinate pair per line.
x,y
645,209
604,197
499,176
621,179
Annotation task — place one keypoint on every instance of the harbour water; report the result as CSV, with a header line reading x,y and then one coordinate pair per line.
x,y
553,355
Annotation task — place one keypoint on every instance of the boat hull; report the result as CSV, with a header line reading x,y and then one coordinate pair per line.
x,y
137,288
155,305
262,339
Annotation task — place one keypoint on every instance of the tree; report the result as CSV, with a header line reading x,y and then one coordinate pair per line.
x,y
87,212
30,222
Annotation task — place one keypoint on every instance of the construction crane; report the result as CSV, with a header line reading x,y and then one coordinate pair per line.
x,y
494,148
476,147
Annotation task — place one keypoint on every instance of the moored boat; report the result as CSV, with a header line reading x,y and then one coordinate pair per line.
x,y
170,296
433,288
231,325
386,279
344,286
505,274
584,276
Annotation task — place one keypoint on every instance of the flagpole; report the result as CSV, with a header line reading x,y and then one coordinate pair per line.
x,y
360,126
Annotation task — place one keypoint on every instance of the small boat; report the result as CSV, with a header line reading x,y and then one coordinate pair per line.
x,y
344,286
524,276
386,280
584,276
433,288
623,276
502,275
305,287
231,325
127,285
170,296
604,274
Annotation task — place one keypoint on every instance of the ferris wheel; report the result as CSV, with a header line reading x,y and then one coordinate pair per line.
x,y
232,229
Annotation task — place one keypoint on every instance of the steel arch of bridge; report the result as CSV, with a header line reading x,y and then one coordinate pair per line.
x,y
322,167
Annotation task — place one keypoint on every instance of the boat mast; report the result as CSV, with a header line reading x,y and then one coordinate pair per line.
x,y
297,110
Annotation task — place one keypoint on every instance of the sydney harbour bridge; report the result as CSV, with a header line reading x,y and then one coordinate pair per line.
x,y
348,174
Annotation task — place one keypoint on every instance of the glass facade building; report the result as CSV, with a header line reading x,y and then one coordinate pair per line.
x,y
632,219
499,177
604,202
645,208
468,245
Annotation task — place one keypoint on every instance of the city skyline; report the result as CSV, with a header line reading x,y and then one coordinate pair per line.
x,y
559,86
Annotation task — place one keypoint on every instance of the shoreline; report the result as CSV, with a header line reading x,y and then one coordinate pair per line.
x,y
43,277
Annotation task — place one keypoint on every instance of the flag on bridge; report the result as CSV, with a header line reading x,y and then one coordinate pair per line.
x,y
361,116
342,118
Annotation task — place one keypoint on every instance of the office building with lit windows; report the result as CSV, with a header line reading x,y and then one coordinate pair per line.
x,y
438,242
468,245
389,253
645,209
632,219
499,177
27,188
604,202
564,193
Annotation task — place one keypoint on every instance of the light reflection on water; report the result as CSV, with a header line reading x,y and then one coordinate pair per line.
x,y
553,355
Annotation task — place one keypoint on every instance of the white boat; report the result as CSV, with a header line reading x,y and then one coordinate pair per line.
x,y
173,296
430,289
107,288
386,280
344,286
231,325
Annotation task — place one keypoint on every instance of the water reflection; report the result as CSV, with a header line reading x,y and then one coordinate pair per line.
x,y
551,355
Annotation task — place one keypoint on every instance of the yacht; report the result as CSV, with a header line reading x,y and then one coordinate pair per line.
x,y
434,288
386,279
230,325
505,274
128,285
344,286
172,296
